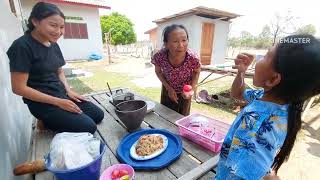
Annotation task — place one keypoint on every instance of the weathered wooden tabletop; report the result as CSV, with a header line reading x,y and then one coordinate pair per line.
x,y
195,162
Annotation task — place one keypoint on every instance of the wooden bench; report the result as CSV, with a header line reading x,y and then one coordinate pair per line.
x,y
194,163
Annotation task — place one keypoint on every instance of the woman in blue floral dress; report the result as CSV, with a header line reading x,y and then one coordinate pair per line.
x,y
263,134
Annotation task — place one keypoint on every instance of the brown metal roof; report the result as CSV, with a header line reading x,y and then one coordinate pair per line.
x,y
200,11
90,3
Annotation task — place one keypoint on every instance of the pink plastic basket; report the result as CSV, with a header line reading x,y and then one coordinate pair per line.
x,y
203,130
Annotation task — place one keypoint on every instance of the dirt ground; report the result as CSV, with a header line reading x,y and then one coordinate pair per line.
x,y
304,161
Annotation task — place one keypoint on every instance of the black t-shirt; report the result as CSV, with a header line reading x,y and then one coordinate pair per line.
x,y
28,55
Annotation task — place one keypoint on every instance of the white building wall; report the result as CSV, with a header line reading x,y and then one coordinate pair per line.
x,y
15,119
73,49
191,26
194,26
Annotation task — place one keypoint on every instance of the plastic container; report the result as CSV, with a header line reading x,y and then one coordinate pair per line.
x,y
106,175
205,131
94,56
90,171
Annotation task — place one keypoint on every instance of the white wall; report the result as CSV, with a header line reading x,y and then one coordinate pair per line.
x,y
77,48
191,26
15,119
194,26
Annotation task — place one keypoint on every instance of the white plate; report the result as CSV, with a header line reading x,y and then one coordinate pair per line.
x,y
135,156
150,106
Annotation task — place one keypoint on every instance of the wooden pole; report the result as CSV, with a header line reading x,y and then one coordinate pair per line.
x,y
107,38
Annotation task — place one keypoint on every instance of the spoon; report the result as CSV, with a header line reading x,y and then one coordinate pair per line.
x,y
109,89
115,106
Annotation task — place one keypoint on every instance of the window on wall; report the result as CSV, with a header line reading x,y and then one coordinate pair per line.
x,y
75,31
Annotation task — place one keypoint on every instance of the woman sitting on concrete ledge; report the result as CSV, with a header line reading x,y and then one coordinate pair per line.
x,y
36,74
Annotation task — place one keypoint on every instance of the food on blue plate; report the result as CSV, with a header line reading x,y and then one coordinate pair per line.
x,y
149,144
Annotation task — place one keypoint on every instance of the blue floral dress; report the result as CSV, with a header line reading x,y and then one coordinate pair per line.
x,y
253,139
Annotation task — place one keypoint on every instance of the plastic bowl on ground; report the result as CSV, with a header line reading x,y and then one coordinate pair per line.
x,y
106,175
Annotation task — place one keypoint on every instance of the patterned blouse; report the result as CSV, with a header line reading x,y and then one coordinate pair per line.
x,y
253,139
177,77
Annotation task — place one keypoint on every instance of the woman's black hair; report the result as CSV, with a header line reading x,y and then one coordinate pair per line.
x,y
42,10
297,59
167,30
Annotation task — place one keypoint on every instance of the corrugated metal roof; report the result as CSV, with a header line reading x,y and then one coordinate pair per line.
x,y
93,3
201,11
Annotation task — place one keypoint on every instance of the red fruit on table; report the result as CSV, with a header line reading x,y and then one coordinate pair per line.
x,y
123,173
115,174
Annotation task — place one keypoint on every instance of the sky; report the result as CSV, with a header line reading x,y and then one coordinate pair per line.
x,y
255,13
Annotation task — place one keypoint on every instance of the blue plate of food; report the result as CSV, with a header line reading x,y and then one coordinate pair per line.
x,y
160,158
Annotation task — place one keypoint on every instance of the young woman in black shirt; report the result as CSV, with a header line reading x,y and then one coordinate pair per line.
x,y
37,76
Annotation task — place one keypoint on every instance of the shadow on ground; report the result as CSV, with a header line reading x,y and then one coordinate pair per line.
x,y
314,148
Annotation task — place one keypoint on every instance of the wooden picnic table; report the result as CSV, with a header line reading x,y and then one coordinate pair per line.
x,y
213,69
223,71
195,162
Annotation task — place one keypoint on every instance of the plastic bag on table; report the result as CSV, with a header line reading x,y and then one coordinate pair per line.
x,y
75,156
71,150
57,158
198,121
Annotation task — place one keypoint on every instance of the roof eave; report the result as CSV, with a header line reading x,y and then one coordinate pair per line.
x,y
80,4
198,10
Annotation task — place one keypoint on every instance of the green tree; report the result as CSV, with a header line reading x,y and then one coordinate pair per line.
x,y
266,32
264,39
246,39
233,42
307,29
282,25
120,29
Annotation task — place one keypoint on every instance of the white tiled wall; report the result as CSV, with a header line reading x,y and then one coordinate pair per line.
x,y
15,119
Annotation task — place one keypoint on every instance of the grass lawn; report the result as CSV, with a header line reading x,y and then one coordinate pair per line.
x,y
101,76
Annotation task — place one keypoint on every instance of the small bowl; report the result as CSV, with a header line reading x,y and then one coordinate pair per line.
x,y
106,175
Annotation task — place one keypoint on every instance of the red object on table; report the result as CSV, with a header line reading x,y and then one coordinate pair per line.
x,y
187,88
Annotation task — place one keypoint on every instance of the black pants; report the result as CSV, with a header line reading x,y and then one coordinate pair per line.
x,y
183,105
59,120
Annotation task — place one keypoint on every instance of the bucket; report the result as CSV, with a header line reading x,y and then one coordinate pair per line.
x,y
132,113
90,171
